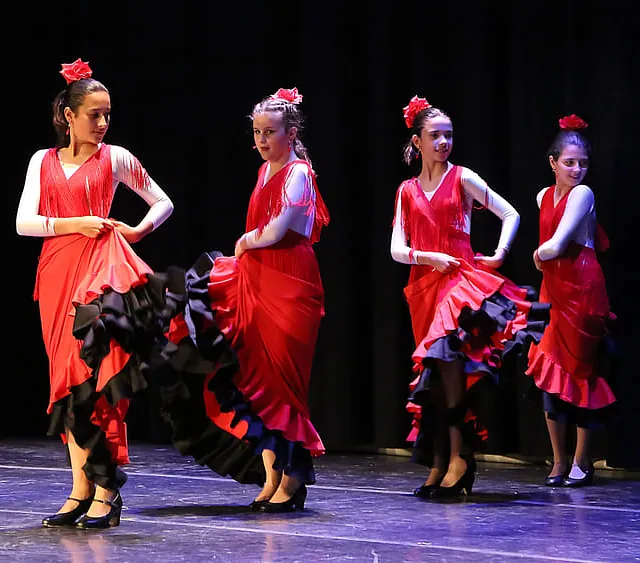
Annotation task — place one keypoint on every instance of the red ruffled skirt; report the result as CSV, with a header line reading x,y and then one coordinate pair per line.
x,y
237,383
269,305
565,362
473,313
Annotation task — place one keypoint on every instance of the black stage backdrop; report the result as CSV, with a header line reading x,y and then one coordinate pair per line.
x,y
183,80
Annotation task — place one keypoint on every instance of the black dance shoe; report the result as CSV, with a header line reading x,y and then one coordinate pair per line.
x,y
257,504
68,518
296,502
425,491
556,481
462,487
580,481
109,520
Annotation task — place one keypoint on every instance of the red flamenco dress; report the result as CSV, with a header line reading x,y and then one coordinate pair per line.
x,y
94,296
255,321
565,364
473,314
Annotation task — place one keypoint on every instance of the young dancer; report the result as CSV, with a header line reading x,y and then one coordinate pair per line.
x,y
564,365
90,284
465,315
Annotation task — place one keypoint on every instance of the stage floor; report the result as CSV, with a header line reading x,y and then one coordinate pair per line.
x,y
361,509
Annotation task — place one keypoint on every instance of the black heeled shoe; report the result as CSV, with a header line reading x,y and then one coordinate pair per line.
x,y
257,504
296,502
109,520
580,481
425,491
556,480
462,487
68,518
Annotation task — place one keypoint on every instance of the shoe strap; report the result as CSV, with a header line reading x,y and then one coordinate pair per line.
x,y
112,503
80,500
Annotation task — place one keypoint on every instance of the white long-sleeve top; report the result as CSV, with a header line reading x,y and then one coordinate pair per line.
x,y
578,223
475,188
30,223
293,215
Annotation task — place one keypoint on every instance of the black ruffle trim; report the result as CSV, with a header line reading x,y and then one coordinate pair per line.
x,y
74,412
136,320
476,328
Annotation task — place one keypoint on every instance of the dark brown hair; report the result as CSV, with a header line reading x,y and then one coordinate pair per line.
x,y
72,97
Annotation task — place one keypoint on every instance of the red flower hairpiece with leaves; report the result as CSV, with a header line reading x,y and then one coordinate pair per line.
x,y
288,95
572,122
76,70
415,106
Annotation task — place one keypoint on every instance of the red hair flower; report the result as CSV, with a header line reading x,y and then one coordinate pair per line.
x,y
75,71
288,95
572,122
415,106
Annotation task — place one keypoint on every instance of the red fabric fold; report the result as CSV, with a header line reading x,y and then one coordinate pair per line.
x,y
272,319
550,376
450,294
222,419
116,266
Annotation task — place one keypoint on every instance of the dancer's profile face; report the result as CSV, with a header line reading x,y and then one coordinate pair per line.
x,y
91,122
